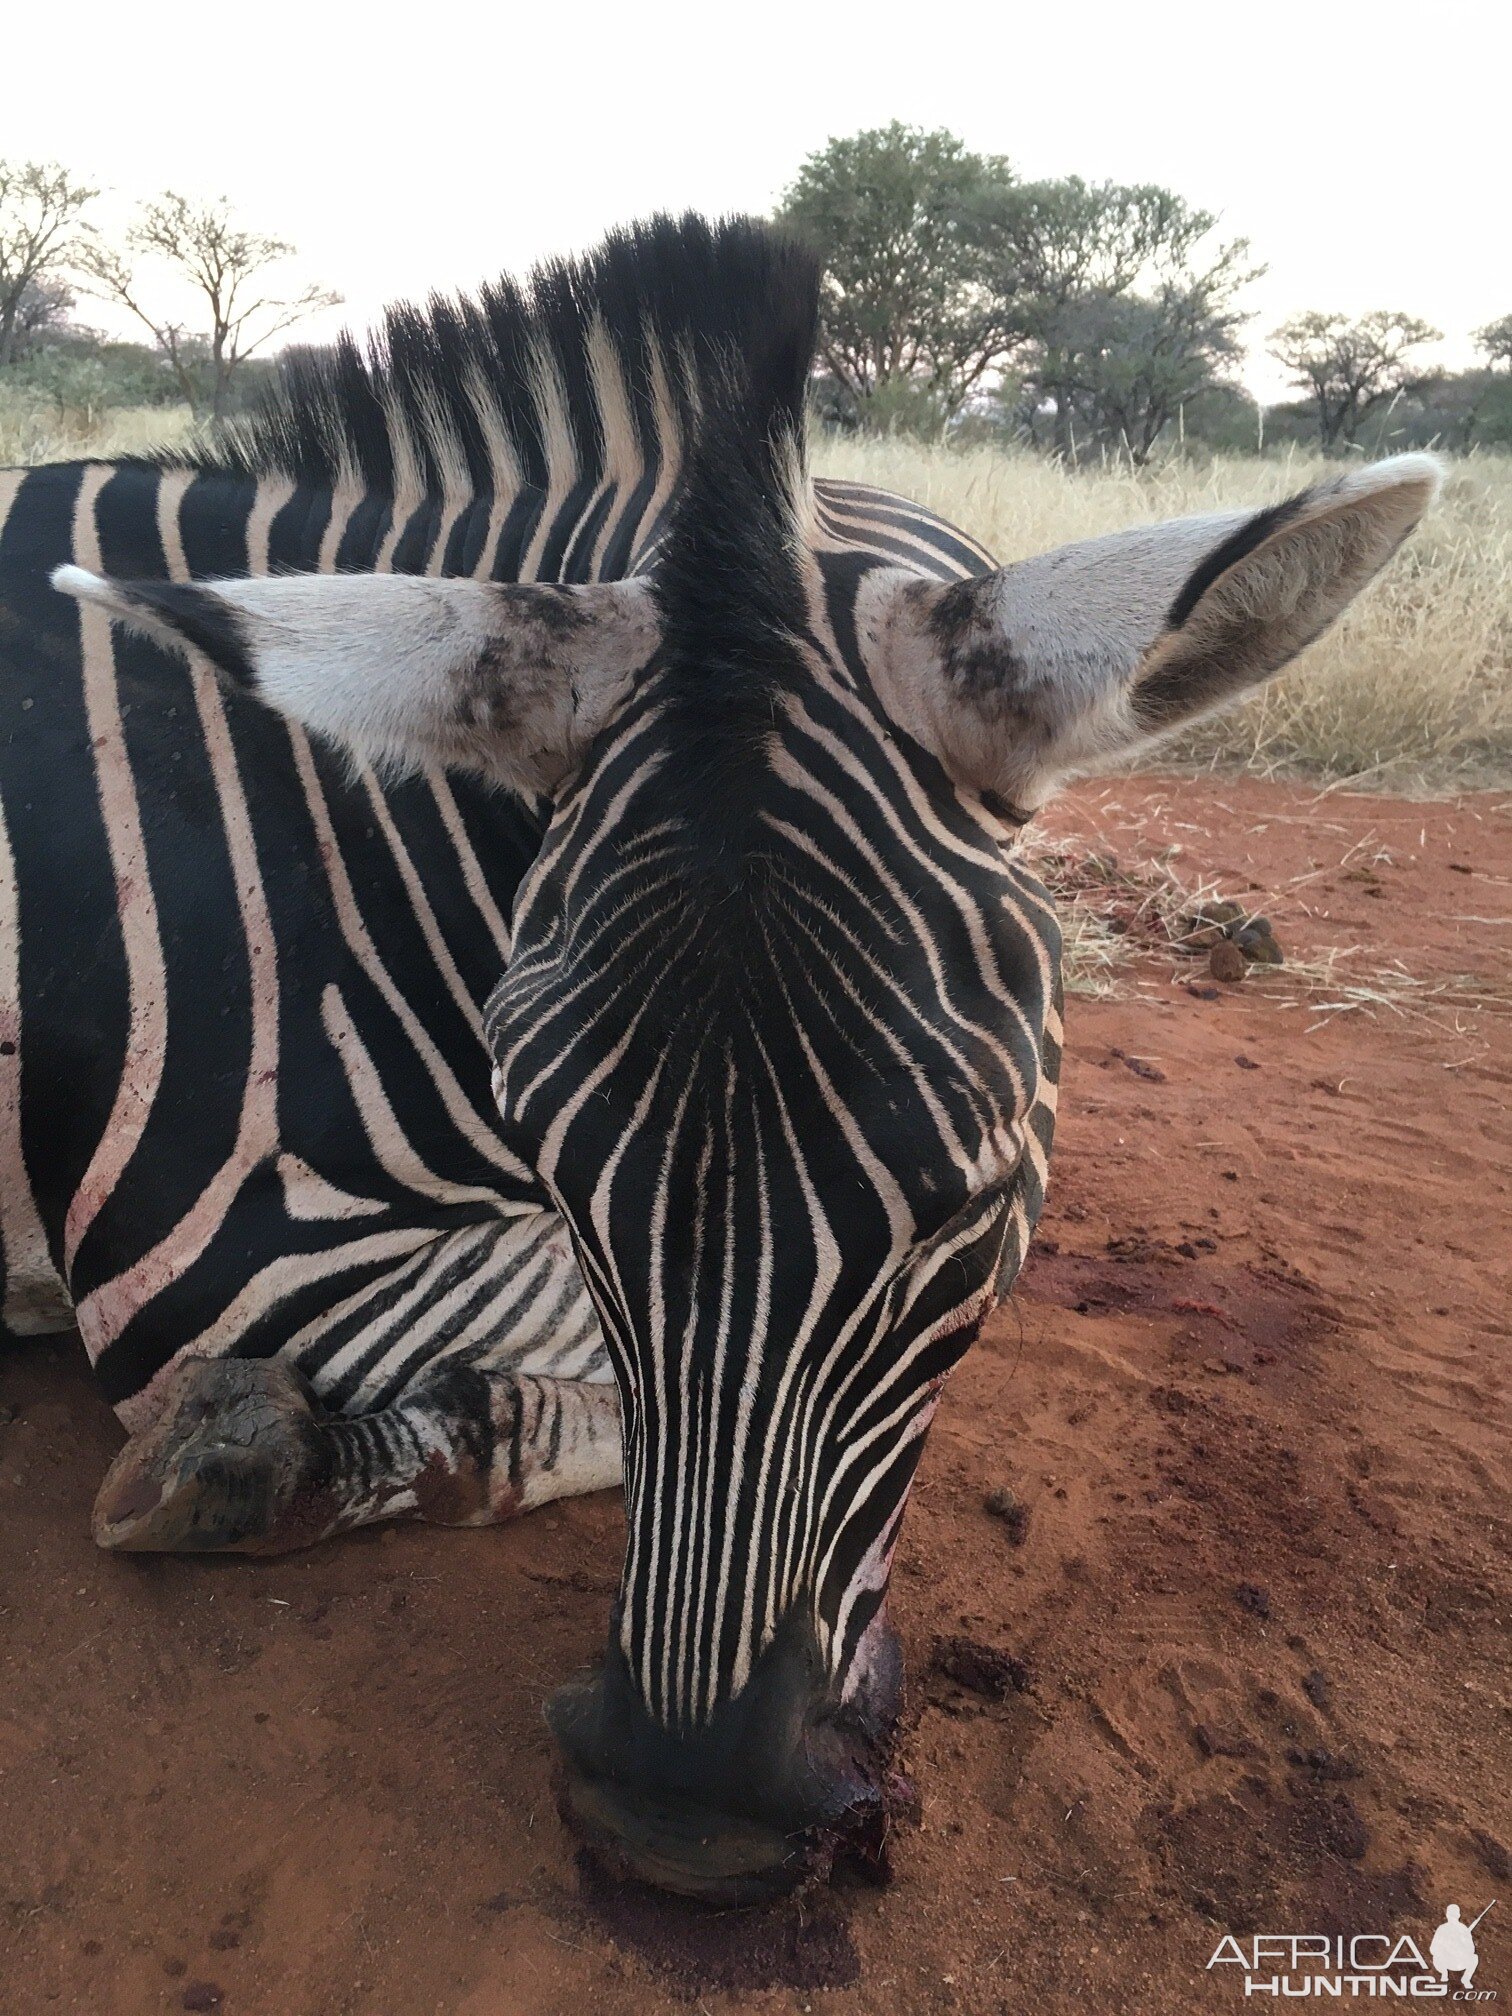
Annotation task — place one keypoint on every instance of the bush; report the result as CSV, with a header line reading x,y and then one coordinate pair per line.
x,y
80,373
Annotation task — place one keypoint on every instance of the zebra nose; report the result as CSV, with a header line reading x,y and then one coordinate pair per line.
x,y
674,1843
757,1800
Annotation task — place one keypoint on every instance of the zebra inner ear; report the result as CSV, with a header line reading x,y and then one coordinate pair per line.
x,y
514,680
1015,679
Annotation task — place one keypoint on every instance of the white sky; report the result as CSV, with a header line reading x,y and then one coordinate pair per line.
x,y
1364,149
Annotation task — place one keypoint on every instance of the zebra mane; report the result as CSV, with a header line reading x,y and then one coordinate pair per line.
x,y
594,370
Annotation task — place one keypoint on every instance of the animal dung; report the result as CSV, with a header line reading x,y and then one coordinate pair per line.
x,y
1214,927
1226,962
1257,941
1004,1504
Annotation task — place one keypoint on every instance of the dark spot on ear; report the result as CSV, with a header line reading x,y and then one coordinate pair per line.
x,y
954,611
974,653
553,608
204,620
1252,533
919,595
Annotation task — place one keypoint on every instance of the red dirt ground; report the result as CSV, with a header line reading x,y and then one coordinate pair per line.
x,y
1251,1398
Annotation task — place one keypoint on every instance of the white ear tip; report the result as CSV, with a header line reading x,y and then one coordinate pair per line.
x,y
1420,470
80,582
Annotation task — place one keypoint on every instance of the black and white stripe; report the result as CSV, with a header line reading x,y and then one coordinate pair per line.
x,y
244,1096
780,1033
775,1050
251,1108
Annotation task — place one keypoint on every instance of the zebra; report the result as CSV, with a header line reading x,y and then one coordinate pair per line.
x,y
774,1025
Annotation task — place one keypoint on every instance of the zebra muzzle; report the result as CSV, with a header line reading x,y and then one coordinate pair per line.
x,y
768,1794
676,1844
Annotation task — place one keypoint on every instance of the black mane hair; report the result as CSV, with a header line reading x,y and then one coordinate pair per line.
x,y
700,297
724,317
729,586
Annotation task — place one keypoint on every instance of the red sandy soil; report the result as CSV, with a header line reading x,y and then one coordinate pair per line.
x,y
1251,1397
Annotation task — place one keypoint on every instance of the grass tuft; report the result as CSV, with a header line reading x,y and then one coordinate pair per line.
x,y
1120,918
1112,911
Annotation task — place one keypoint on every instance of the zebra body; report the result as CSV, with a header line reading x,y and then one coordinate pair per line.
x,y
774,1037
244,1101
244,1091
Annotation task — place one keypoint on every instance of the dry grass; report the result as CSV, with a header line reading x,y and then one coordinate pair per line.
x,y
1111,910
1411,690
32,430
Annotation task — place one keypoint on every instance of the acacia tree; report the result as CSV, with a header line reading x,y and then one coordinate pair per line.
x,y
1127,303
40,209
1495,341
910,226
1110,303
1349,368
228,267
1139,359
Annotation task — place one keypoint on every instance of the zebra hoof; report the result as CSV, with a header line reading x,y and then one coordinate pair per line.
x,y
230,1465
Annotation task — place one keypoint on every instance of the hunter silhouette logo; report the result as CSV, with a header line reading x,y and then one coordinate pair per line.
x,y
1452,1948
1388,1966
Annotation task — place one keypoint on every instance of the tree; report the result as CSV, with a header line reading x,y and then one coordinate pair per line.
x,y
942,272
910,226
227,266
1127,305
1139,359
40,208
41,315
1458,410
1225,419
1495,342
1351,368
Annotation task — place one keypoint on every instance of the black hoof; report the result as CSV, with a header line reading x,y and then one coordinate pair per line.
x,y
227,1466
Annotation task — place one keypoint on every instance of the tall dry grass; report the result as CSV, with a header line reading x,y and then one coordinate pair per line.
x,y
1412,689
33,430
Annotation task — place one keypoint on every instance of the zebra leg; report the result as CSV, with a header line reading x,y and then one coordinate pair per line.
x,y
474,1441
243,1459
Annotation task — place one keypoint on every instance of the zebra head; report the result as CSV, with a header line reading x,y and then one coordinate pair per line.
x,y
779,1031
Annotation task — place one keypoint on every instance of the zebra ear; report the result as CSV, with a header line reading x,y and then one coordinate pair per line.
x,y
1019,677
513,680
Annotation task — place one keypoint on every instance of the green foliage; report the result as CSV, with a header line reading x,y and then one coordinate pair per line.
x,y
1108,304
1223,419
1494,419
911,229
1495,341
909,406
42,314
85,375
1128,307
81,375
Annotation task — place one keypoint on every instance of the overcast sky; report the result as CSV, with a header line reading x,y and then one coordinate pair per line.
x,y
1366,150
